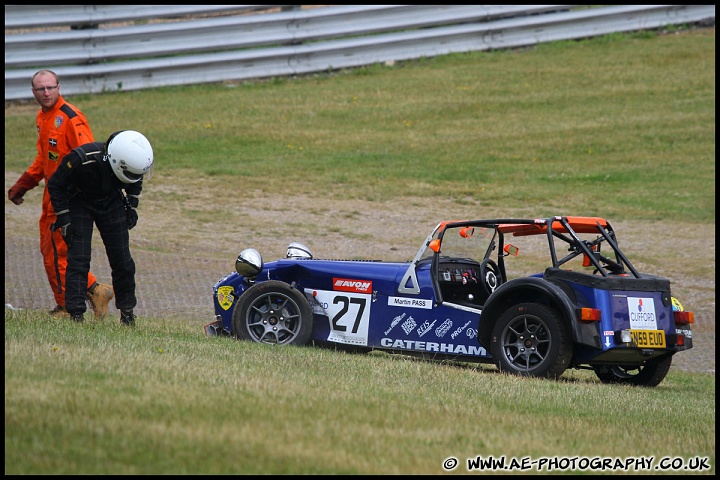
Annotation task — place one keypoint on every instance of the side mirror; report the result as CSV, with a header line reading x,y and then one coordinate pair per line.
x,y
511,249
435,245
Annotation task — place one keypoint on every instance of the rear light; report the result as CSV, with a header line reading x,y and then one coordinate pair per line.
x,y
680,340
684,318
590,314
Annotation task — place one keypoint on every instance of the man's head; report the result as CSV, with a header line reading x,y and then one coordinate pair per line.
x,y
46,88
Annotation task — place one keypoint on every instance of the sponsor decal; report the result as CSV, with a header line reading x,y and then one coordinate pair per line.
x,y
642,313
58,121
409,302
395,321
226,297
408,325
443,328
348,285
682,331
53,156
53,142
448,348
677,306
425,327
459,330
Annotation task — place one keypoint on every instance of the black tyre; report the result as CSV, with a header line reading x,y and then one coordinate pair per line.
x,y
531,339
275,313
648,375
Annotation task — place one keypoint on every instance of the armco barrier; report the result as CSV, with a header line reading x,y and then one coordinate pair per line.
x,y
166,45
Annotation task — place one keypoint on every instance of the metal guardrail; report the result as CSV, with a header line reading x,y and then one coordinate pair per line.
x,y
237,32
299,41
83,16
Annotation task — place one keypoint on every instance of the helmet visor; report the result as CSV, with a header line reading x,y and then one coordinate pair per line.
x,y
149,173
137,176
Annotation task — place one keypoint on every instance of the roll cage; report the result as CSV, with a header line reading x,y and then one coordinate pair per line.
x,y
476,240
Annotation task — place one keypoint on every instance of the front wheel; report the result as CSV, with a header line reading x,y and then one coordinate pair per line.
x,y
275,313
531,339
648,375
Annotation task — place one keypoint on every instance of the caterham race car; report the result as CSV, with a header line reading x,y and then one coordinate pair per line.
x,y
467,296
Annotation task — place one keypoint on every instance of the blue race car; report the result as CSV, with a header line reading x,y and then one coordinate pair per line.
x,y
467,296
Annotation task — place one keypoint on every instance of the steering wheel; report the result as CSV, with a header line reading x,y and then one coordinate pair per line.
x,y
489,276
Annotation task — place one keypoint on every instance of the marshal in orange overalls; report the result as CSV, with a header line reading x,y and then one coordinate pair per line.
x,y
60,130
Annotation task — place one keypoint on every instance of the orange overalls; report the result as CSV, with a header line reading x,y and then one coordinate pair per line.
x,y
60,130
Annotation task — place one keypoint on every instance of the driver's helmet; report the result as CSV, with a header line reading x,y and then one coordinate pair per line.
x,y
130,155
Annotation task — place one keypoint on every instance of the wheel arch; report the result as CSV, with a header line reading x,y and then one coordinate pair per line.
x,y
522,290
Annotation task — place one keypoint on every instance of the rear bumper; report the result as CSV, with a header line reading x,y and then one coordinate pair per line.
x,y
629,356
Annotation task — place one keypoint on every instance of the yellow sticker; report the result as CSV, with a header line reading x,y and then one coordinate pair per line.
x,y
225,296
677,306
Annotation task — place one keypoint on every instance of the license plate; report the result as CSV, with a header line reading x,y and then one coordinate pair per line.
x,y
648,338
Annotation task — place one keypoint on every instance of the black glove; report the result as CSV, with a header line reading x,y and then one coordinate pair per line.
x,y
63,223
132,217
131,202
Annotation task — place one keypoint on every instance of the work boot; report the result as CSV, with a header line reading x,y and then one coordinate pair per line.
x,y
127,317
59,312
78,317
99,295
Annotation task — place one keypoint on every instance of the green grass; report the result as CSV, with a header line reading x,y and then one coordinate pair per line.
x,y
623,124
100,398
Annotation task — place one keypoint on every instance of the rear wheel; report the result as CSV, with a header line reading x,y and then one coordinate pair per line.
x,y
648,375
533,340
275,313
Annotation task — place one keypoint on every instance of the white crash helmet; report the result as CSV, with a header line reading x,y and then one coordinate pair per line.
x,y
130,155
